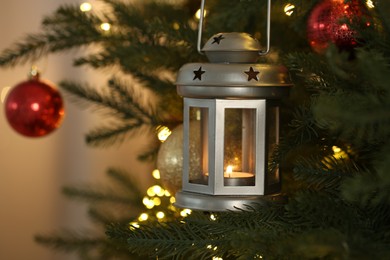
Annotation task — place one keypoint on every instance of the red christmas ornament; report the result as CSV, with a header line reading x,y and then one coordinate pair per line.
x,y
327,23
34,108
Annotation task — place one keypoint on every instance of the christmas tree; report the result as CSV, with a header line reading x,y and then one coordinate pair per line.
x,y
334,152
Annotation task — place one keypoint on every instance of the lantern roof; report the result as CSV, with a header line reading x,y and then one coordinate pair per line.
x,y
232,47
233,72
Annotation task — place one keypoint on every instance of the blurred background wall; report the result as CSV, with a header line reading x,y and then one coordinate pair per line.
x,y
32,171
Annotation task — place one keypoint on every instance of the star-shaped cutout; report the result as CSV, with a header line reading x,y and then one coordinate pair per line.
x,y
198,73
252,74
218,39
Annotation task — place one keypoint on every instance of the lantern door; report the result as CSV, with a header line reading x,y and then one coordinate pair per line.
x,y
240,146
224,146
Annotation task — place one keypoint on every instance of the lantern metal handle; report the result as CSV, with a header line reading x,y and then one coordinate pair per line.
x,y
200,28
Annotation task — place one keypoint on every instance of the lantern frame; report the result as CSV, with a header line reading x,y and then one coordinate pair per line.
x,y
215,150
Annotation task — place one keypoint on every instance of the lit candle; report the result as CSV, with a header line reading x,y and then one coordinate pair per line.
x,y
232,178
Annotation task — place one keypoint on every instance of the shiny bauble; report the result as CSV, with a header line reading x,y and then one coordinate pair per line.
x,y
34,108
329,22
170,158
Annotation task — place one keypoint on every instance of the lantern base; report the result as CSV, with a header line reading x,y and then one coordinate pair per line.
x,y
206,202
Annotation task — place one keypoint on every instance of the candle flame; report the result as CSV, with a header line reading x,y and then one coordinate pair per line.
x,y
229,170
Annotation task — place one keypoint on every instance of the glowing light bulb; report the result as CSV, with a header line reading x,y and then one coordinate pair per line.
x,y
156,174
176,26
167,193
289,9
158,190
85,7
157,201
370,4
146,201
217,258
105,27
338,153
134,225
172,200
336,149
197,14
185,212
160,215
143,217
149,204
151,192
213,217
163,133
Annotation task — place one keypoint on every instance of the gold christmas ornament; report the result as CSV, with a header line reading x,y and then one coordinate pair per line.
x,y
170,157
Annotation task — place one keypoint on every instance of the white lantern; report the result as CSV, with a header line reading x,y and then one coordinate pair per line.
x,y
232,103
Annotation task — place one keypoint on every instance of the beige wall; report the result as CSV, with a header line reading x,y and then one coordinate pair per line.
x,y
32,171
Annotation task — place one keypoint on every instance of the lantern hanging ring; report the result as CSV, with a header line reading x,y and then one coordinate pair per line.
x,y
200,29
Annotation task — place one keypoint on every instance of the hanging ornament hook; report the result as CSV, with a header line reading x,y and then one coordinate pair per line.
x,y
200,29
34,72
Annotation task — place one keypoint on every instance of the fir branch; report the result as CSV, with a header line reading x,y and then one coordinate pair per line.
x,y
86,246
321,210
104,217
33,47
155,58
97,195
303,125
99,217
127,191
152,38
64,30
372,70
371,187
150,155
158,85
94,246
122,179
112,101
324,173
231,13
174,241
170,104
383,9
125,95
314,69
70,241
121,103
114,134
318,244
97,60
147,18
87,93
263,215
339,113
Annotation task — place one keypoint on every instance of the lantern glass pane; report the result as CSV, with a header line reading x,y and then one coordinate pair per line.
x,y
198,145
239,147
273,176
